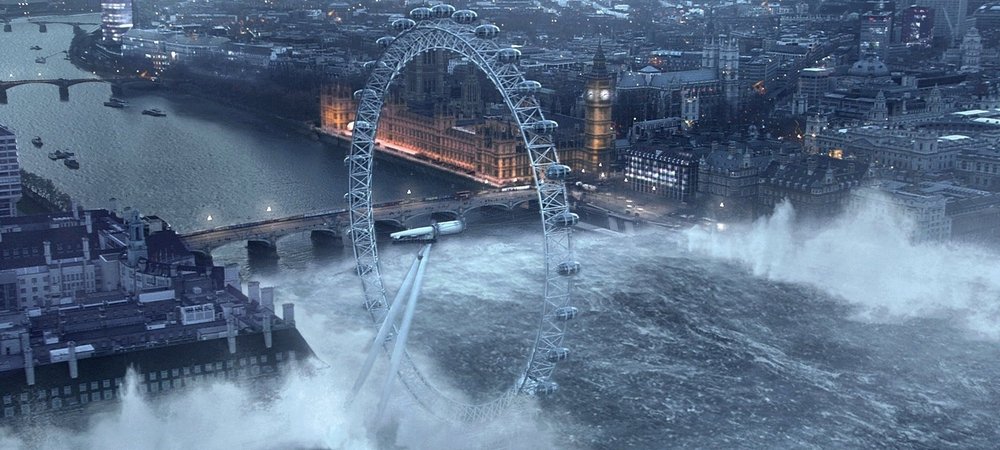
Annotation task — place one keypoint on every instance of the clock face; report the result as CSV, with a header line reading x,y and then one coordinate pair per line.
x,y
605,94
590,94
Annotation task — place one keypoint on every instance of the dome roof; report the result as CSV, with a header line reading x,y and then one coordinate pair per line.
x,y
869,66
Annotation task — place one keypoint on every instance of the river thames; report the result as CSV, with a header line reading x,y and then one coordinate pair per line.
x,y
203,159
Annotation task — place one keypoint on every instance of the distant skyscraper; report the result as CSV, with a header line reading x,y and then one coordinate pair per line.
x,y
949,17
876,29
116,19
10,174
972,49
917,25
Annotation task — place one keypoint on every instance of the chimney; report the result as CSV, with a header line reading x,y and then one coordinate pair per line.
x,y
85,242
89,221
267,329
267,299
231,333
811,164
76,209
288,313
73,371
253,291
29,359
47,248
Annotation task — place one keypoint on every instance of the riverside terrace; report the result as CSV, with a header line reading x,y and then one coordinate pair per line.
x,y
334,223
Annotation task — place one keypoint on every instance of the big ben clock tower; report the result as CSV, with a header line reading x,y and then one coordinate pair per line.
x,y
599,133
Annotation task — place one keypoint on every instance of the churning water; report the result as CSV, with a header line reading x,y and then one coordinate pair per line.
x,y
764,336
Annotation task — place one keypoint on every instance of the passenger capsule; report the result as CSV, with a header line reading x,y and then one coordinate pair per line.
x,y
421,13
528,87
565,313
369,65
442,11
385,41
355,198
557,172
562,220
568,268
464,16
363,126
403,24
509,56
545,126
487,31
352,159
558,354
546,387
362,93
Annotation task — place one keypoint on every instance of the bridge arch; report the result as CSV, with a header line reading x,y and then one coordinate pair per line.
x,y
62,83
442,28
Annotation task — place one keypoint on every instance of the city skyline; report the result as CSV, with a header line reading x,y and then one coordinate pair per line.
x,y
639,225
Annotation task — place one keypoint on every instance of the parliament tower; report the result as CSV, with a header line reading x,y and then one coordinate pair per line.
x,y
599,134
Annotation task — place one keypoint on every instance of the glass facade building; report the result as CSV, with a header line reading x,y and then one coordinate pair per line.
x,y
116,19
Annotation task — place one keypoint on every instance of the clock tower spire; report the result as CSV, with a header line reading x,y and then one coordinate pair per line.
x,y
599,133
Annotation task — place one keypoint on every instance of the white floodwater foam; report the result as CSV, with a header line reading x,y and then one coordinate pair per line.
x,y
865,257
307,411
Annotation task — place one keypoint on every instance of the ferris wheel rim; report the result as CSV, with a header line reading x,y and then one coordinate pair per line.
x,y
500,67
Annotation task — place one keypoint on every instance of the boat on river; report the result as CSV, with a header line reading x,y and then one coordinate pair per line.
x,y
37,141
58,154
154,112
71,163
115,103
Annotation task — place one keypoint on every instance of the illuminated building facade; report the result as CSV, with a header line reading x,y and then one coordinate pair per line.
x,y
671,174
161,48
917,25
599,132
489,149
438,117
116,19
876,30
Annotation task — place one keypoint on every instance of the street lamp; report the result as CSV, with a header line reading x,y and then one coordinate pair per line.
x,y
209,217
408,192
268,209
722,204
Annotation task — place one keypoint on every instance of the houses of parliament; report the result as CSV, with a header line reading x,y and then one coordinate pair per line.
x,y
438,116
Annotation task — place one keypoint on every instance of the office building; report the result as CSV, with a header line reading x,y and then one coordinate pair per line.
x,y
116,19
10,174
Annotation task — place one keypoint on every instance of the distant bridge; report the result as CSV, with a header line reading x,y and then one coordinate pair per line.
x,y
335,223
43,24
64,84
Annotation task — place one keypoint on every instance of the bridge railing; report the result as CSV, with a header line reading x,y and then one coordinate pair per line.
x,y
408,203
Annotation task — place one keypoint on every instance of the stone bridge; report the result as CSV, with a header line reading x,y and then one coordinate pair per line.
x,y
335,223
43,24
64,84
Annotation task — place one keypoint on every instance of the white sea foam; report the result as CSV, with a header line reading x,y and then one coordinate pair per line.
x,y
865,257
